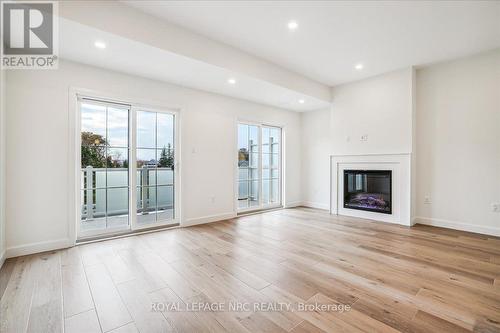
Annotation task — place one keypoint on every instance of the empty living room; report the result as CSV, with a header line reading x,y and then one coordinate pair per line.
x,y
249,166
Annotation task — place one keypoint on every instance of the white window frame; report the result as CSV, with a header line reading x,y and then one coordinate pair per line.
x,y
74,191
281,191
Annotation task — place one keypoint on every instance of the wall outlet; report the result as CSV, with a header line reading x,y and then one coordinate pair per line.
x,y
427,200
495,207
212,199
364,137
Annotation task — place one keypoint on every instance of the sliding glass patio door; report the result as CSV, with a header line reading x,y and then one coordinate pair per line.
x,y
127,168
259,167
104,163
155,158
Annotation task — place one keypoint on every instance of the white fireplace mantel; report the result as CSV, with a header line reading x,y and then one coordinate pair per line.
x,y
399,164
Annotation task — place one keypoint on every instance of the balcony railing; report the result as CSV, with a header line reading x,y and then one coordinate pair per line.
x,y
105,191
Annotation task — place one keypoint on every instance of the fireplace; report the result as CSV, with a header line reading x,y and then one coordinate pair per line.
x,y
368,190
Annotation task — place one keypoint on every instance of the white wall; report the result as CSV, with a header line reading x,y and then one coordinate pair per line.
x,y
316,150
38,144
458,143
380,107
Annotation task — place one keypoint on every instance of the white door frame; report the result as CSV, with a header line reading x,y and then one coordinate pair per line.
x,y
74,160
281,168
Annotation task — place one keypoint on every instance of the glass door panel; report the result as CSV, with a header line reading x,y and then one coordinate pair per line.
x,y
259,166
248,166
271,165
155,158
104,167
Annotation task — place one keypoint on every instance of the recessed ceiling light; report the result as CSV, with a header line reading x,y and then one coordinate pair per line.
x,y
231,81
301,101
359,67
293,25
100,45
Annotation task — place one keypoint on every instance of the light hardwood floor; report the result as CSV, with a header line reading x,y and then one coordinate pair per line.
x,y
419,279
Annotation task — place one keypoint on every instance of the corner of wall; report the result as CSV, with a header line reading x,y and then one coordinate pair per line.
x,y
208,219
315,154
413,165
294,204
302,167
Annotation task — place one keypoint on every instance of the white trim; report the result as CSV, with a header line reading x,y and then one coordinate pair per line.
x,y
32,248
208,219
82,234
260,208
369,154
73,159
130,234
132,168
282,166
293,204
124,99
316,205
456,225
235,167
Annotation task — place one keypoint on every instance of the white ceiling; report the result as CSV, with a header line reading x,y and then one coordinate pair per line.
x,y
334,36
76,42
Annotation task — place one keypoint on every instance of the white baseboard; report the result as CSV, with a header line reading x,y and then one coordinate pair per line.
x,y
309,204
316,205
208,219
23,250
293,204
458,226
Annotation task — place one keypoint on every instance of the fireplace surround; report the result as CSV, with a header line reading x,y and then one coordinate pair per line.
x,y
401,185
369,190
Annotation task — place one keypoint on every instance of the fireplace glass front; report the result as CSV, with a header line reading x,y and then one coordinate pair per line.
x,y
368,190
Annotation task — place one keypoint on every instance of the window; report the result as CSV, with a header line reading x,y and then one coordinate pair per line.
x,y
259,166
118,141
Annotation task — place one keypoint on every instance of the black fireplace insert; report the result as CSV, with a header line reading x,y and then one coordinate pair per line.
x,y
369,190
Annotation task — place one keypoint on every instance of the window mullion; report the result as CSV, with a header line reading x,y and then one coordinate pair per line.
x,y
132,168
260,166
250,160
156,167
105,171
